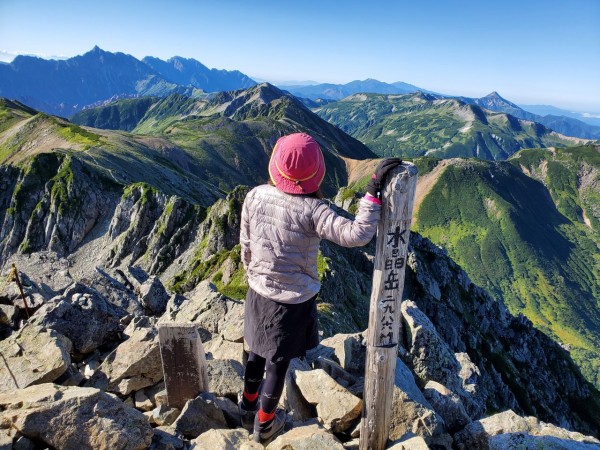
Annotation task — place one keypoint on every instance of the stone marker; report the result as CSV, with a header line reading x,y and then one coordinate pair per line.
x,y
184,362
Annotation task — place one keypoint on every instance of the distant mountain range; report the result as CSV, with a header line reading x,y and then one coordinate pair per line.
x,y
545,110
413,125
64,87
327,91
568,126
98,77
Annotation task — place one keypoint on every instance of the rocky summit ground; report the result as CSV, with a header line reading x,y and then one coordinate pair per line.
x,y
84,371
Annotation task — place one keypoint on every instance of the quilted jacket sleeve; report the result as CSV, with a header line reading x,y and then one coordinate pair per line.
x,y
245,234
347,232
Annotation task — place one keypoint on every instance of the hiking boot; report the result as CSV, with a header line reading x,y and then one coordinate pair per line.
x,y
265,433
247,416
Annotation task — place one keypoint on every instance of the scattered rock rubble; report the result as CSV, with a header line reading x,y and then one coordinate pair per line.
x,y
123,405
85,372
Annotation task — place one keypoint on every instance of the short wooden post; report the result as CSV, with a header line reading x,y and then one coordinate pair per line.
x,y
15,275
184,362
386,295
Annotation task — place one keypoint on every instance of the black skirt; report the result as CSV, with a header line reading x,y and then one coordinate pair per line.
x,y
280,331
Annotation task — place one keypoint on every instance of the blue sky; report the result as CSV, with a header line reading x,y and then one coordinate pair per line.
x,y
531,52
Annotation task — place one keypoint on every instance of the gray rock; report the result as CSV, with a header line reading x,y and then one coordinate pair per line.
x,y
431,359
486,432
121,295
86,319
229,408
153,296
142,402
74,418
336,407
220,439
165,438
156,393
43,272
335,371
71,377
448,405
219,348
225,377
429,356
310,437
292,401
33,355
232,329
161,398
134,364
9,315
163,415
198,416
209,309
469,372
412,413
345,349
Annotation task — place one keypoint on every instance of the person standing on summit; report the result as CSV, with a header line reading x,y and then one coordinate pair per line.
x,y
282,226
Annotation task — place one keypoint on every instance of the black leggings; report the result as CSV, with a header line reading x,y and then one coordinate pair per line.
x,y
272,386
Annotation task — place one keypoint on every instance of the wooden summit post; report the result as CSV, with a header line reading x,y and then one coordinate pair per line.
x,y
384,316
184,362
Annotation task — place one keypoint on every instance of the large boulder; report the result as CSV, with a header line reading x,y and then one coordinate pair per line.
x,y
200,415
153,296
214,313
297,408
428,356
33,355
86,319
431,359
219,348
412,413
337,408
448,405
225,377
345,349
117,290
508,428
134,364
74,418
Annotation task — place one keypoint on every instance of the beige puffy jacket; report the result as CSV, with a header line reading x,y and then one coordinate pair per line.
x,y
280,235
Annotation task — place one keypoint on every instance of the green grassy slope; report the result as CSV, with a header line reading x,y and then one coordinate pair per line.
x,y
419,124
122,115
528,231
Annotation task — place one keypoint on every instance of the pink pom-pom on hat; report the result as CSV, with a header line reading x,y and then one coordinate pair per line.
x,y
297,165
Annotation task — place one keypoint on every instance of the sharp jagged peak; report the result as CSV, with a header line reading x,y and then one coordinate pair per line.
x,y
496,98
494,94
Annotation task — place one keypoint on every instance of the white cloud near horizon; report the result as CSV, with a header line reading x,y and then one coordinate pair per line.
x,y
8,56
